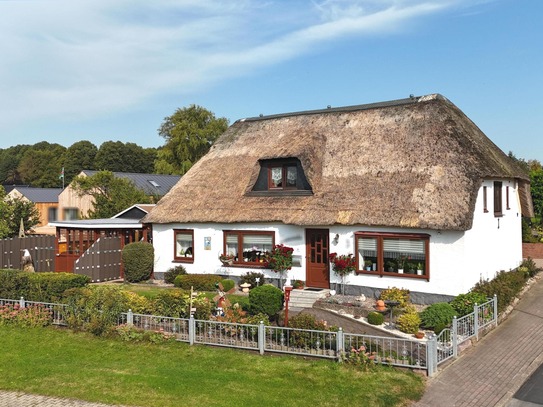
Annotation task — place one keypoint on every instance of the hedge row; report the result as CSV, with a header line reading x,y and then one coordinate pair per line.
x,y
45,287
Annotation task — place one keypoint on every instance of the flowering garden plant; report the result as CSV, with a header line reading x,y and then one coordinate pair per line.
x,y
279,259
342,264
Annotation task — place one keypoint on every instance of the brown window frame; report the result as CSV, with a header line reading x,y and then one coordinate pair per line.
x,y
284,169
507,198
178,258
380,236
240,235
498,204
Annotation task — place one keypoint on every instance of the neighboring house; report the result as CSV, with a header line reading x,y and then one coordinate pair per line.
x,y
46,201
76,236
410,183
72,206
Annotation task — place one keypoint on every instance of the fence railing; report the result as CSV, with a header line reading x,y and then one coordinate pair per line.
x,y
411,353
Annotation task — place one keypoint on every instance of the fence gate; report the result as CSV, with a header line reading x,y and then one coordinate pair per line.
x,y
101,261
40,247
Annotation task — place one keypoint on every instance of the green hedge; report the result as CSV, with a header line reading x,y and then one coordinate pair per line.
x,y
199,282
46,287
138,259
506,285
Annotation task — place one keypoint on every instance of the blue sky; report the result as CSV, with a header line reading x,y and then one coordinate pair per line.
x,y
104,70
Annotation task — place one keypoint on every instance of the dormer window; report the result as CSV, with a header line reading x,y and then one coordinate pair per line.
x,y
283,176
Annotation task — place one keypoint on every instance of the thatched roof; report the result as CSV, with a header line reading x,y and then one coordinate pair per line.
x,y
415,162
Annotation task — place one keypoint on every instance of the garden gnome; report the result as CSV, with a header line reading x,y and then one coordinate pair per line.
x,y
28,265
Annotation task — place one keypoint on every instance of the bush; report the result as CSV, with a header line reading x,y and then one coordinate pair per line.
x,y
199,282
138,259
251,277
176,304
436,314
306,321
409,321
506,285
531,267
228,284
169,276
266,299
376,318
463,303
396,294
95,309
46,287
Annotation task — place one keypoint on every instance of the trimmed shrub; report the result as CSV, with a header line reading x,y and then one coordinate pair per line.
x,y
436,314
306,321
251,277
138,259
530,266
409,321
463,303
396,294
169,276
138,303
506,285
376,318
176,304
199,282
46,287
266,299
228,284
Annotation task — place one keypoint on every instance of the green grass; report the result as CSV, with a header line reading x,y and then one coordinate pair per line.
x,y
77,365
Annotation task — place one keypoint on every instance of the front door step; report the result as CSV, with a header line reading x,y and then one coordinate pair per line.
x,y
307,297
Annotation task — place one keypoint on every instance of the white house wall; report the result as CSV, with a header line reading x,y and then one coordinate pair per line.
x,y
457,260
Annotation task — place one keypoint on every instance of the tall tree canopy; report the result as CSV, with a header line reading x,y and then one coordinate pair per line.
x,y
117,156
111,194
40,165
189,134
79,156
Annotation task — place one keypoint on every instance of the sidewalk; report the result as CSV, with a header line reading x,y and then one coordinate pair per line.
x,y
489,373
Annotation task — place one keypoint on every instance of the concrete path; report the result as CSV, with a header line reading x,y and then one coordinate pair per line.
x,y
492,371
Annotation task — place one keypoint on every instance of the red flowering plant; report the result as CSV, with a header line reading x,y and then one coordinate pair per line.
x,y
279,259
342,264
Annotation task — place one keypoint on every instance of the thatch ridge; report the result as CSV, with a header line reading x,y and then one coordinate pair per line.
x,y
415,163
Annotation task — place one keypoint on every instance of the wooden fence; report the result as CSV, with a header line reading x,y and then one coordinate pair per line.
x,y
40,247
101,261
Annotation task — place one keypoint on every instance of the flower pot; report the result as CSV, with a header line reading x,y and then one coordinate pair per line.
x,y
227,262
420,335
419,272
400,271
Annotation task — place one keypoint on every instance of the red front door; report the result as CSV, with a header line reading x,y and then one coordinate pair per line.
x,y
317,264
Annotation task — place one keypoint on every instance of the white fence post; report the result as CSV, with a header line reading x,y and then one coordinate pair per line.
x,y
476,321
22,302
130,317
340,344
455,337
261,337
431,355
495,309
192,330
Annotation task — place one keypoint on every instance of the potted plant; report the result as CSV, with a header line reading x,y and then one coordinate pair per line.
x,y
368,264
279,260
227,259
420,268
298,284
342,265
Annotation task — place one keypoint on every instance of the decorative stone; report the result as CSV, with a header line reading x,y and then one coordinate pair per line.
x,y
245,287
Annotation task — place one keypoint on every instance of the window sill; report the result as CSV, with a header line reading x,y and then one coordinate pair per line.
x,y
183,260
392,274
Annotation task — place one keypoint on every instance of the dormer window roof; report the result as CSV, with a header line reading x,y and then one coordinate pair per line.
x,y
284,176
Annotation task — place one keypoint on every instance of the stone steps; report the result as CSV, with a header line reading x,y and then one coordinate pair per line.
x,y
307,297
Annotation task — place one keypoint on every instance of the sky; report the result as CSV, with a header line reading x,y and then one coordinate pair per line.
x,y
103,70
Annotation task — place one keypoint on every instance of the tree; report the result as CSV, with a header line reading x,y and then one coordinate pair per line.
x,y
111,194
189,134
79,156
12,210
40,165
536,186
117,156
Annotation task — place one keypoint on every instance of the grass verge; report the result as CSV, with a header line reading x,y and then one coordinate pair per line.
x,y
61,363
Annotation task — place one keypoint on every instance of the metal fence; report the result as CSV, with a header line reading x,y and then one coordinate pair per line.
x,y
56,312
469,326
424,354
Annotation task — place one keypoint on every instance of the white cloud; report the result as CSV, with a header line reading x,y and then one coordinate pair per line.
x,y
82,58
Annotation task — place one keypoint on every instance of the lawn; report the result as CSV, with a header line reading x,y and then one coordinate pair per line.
x,y
58,362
